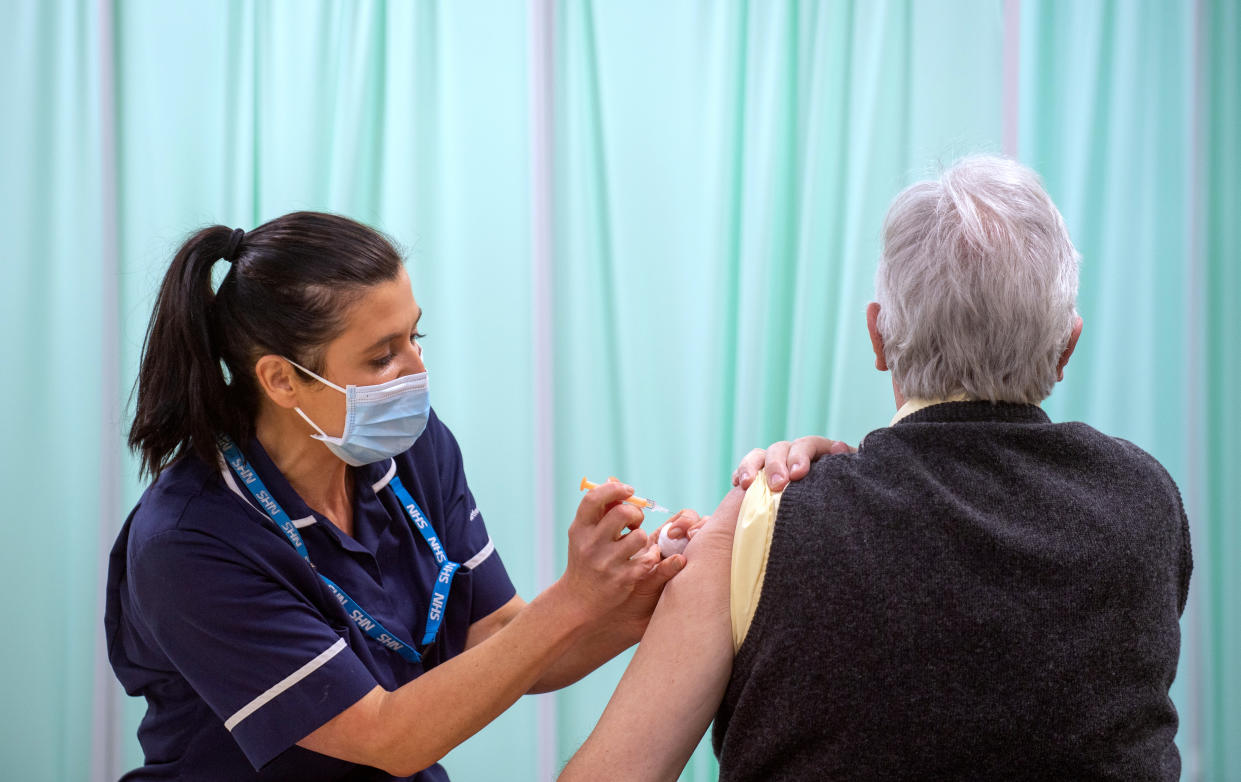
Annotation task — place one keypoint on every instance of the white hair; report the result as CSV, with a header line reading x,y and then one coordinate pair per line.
x,y
977,286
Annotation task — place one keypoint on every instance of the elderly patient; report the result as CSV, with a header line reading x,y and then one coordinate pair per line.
x,y
976,592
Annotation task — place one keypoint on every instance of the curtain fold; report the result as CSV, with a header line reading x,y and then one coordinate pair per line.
x,y
54,423
1217,551
1109,119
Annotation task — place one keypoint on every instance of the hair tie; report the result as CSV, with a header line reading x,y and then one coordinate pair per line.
x,y
234,243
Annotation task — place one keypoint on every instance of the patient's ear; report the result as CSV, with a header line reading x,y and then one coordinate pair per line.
x,y
1068,351
876,339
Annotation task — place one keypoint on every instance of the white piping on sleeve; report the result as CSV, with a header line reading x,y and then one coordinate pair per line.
x,y
284,684
479,558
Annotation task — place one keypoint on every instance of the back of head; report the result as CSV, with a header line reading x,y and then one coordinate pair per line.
x,y
977,285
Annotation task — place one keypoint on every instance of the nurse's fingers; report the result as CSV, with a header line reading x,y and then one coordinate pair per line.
x,y
751,463
786,462
681,523
620,517
596,502
632,544
806,449
648,557
777,465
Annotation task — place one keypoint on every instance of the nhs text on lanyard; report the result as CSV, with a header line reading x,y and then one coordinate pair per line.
x,y
373,629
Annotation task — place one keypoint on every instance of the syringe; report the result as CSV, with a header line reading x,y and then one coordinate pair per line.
x,y
641,502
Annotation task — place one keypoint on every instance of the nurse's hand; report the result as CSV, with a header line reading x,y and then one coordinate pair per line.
x,y
608,553
786,462
682,526
637,608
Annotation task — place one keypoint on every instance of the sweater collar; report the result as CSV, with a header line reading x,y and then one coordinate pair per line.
x,y
914,405
965,410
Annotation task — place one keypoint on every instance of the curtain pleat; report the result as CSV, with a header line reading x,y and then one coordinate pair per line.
x,y
1218,546
51,161
1108,119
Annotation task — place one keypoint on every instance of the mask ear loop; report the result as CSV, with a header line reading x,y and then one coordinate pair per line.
x,y
322,380
322,434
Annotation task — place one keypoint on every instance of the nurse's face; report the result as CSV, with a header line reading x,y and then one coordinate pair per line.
x,y
379,343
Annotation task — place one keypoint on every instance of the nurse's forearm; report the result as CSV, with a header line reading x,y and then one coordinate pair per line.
x,y
598,643
408,729
613,633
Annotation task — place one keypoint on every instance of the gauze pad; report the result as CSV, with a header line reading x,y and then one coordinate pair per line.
x,y
670,546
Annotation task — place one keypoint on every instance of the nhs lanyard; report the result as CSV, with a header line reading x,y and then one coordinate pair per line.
x,y
369,625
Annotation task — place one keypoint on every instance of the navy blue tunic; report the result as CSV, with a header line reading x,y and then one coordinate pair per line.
x,y
233,639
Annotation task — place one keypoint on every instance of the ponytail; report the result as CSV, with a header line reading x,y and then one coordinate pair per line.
x,y
287,290
182,392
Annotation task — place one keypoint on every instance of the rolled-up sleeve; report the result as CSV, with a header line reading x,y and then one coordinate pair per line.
x,y
756,523
265,660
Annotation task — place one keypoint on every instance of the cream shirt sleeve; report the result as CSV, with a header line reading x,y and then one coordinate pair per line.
x,y
756,521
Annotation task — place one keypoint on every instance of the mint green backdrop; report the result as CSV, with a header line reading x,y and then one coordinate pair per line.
x,y
1218,310
720,172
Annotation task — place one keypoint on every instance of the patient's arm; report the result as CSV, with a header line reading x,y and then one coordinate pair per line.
x,y
676,680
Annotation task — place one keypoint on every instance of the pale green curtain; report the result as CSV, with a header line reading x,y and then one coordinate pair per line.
x,y
53,362
1107,106
1114,101
1218,313
721,172
722,175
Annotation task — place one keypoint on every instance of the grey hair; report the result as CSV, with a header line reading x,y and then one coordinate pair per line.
x,y
977,285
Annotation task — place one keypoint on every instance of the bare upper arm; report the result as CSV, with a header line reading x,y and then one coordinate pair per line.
x,y
674,684
715,537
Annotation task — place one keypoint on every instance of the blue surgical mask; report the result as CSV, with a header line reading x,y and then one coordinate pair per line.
x,y
381,421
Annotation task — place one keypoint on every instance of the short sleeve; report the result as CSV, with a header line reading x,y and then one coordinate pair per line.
x,y
756,522
466,538
256,651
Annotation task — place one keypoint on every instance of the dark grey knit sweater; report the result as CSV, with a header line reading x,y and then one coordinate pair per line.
x,y
976,594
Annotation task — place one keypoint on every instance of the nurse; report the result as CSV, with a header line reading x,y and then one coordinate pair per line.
x,y
307,590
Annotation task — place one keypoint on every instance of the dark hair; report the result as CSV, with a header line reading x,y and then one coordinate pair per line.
x,y
289,286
